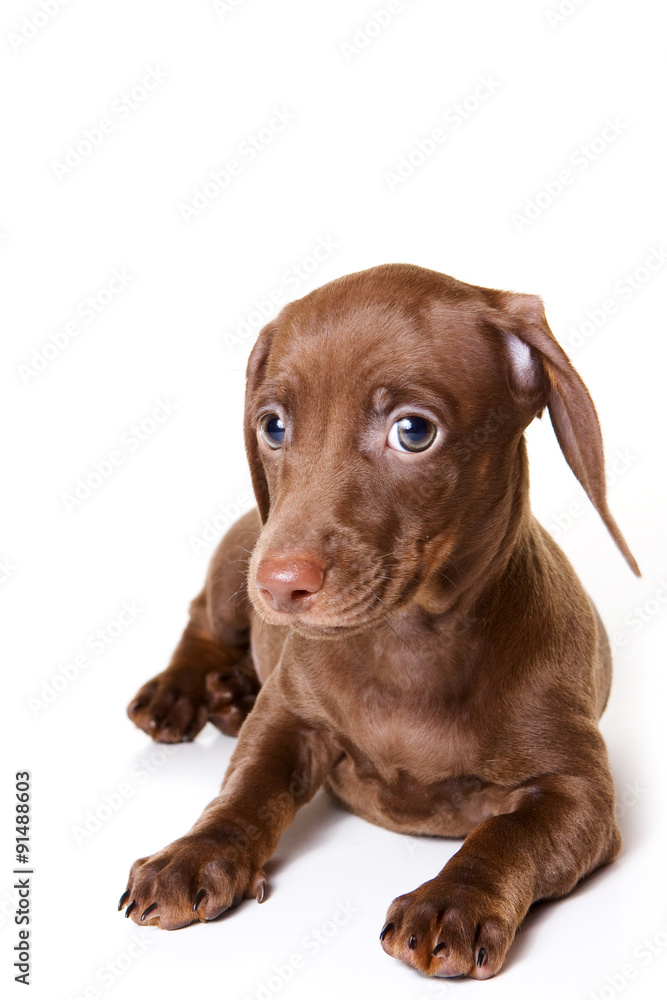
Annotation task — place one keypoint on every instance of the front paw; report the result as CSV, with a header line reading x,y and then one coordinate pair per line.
x,y
231,694
171,708
195,878
449,930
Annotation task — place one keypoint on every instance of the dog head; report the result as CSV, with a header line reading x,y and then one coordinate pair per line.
x,y
384,427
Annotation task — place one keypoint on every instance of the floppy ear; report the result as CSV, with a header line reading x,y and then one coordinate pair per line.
x,y
254,376
541,375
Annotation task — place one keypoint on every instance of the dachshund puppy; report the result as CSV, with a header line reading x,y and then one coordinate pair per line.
x,y
392,622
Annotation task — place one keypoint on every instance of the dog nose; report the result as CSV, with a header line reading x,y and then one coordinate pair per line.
x,y
289,582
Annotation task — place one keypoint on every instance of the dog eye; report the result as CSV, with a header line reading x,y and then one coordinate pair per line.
x,y
412,434
272,430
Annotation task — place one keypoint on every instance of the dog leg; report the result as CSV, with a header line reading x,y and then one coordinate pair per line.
x,y
277,766
463,921
204,680
211,675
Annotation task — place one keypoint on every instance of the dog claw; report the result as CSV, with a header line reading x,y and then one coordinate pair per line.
x,y
481,955
198,898
438,948
122,900
149,909
261,891
412,943
385,930
132,906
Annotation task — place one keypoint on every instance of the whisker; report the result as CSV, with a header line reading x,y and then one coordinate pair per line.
x,y
226,566
237,591
385,619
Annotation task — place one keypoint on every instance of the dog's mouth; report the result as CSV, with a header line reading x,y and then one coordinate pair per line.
x,y
336,613
322,629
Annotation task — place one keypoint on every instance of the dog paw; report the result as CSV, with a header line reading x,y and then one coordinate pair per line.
x,y
231,694
195,878
171,708
448,932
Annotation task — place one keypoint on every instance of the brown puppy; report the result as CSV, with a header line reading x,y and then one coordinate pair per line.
x,y
424,648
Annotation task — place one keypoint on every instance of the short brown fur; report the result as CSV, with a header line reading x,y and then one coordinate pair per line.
x,y
448,672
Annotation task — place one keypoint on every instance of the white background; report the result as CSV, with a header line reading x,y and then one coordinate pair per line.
x,y
355,111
